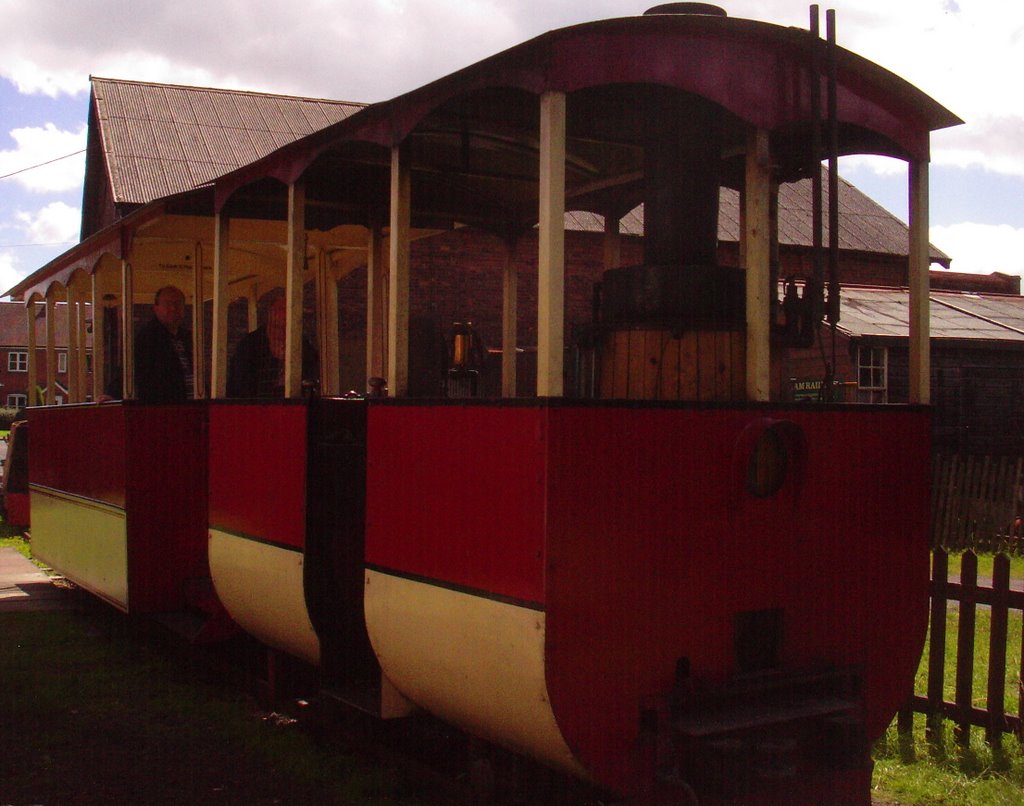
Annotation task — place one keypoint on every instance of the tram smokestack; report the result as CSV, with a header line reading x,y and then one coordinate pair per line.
x,y
679,293
682,157
707,9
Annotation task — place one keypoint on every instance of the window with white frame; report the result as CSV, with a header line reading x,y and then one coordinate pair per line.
x,y
17,401
17,361
872,374
62,362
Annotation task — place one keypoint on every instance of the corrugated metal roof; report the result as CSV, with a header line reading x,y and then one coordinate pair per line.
x,y
163,139
160,139
883,312
864,225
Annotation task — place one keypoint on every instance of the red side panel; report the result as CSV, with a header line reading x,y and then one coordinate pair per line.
x,y
148,460
80,450
655,546
258,471
456,494
165,462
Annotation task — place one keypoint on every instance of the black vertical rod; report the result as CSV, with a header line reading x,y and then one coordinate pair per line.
x,y
815,166
833,172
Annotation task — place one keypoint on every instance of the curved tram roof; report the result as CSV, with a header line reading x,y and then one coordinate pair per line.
x,y
471,138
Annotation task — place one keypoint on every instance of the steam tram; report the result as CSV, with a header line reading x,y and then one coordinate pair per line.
x,y
673,584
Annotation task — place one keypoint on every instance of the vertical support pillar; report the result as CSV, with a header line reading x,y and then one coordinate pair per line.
x,y
198,327
375,304
756,246
82,364
551,246
71,360
127,330
293,288
99,360
219,337
398,275
51,350
920,309
327,321
509,322
33,364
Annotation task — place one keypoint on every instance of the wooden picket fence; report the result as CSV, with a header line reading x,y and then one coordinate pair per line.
x,y
976,507
968,594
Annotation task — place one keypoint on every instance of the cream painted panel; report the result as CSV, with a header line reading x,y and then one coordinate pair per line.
x,y
84,540
472,661
261,587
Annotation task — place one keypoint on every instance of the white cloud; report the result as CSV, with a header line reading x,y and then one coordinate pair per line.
x,y
880,166
35,145
990,142
10,272
57,222
982,248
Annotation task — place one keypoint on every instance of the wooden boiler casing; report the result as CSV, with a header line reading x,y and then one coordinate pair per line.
x,y
538,573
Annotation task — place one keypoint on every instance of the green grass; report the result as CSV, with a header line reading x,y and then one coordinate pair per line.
x,y
10,537
80,697
985,562
915,772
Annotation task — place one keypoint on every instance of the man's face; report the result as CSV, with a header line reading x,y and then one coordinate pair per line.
x,y
170,309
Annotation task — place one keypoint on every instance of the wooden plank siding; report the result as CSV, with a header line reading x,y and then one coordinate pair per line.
x,y
658,365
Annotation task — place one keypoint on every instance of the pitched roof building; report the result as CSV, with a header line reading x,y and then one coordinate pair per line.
x,y
147,141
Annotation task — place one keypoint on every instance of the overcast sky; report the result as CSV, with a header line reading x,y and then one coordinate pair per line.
x,y
967,54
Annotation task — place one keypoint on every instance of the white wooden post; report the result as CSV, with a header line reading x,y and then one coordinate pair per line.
x,y
219,343
509,323
51,350
327,320
375,305
33,364
551,246
127,331
293,288
71,357
99,363
398,276
756,246
920,309
198,327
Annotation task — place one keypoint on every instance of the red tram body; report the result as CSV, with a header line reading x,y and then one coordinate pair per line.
x,y
676,586
613,553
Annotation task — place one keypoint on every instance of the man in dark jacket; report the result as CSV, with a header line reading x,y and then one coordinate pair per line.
x,y
163,352
257,367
